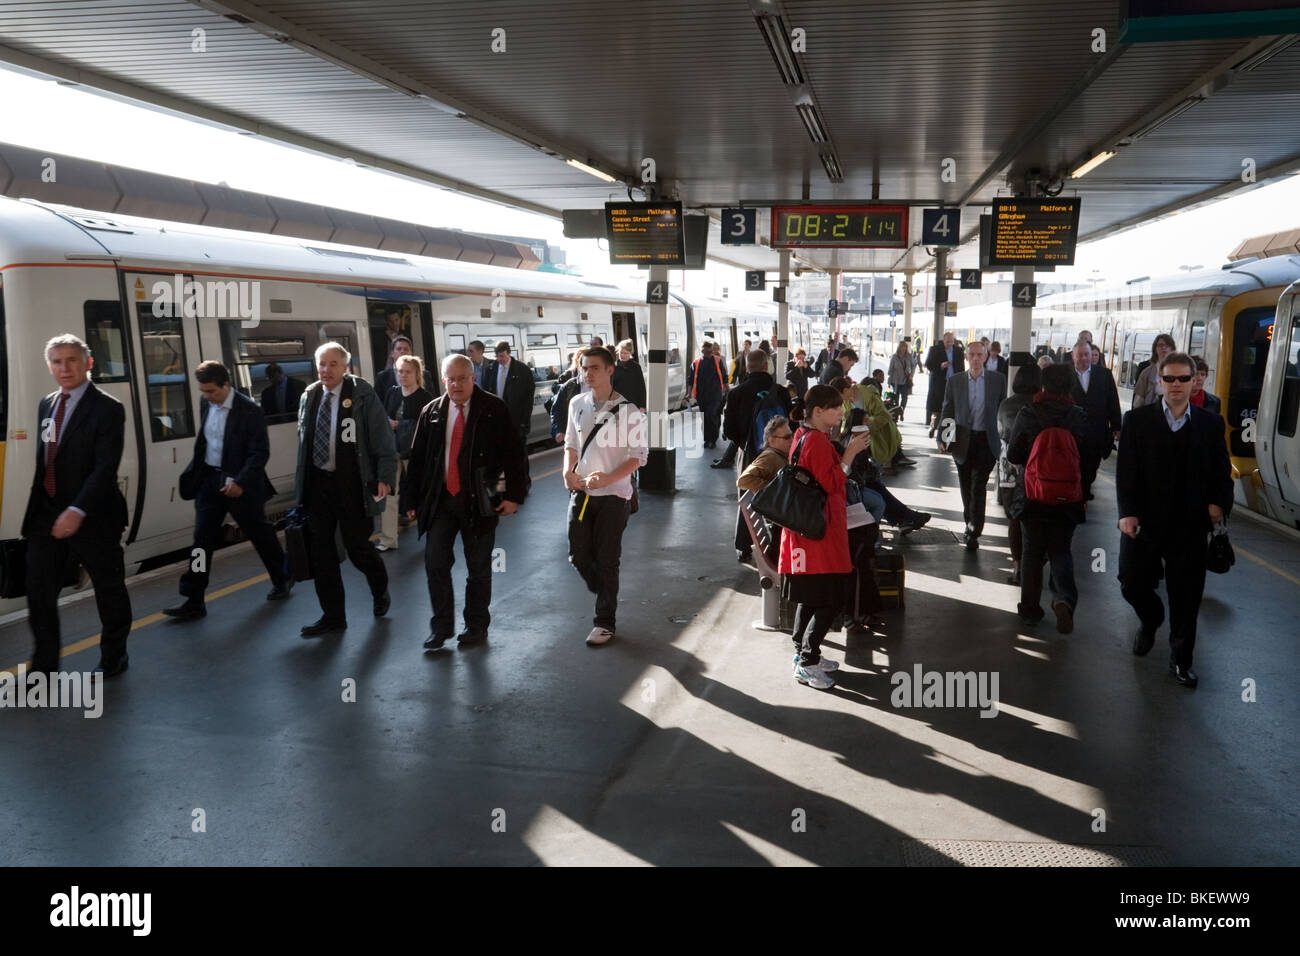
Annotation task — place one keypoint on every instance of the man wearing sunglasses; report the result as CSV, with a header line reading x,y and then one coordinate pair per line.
x,y
1174,482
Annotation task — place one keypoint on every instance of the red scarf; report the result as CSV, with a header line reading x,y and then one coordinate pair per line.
x,y
1199,399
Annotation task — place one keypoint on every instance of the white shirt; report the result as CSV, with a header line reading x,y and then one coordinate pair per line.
x,y
1084,378
453,412
214,430
501,379
619,439
1176,423
74,396
337,391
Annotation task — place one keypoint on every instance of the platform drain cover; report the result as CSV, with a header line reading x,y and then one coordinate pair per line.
x,y
1007,853
919,537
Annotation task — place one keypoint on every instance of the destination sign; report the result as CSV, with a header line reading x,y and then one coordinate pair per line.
x,y
845,226
645,233
1033,232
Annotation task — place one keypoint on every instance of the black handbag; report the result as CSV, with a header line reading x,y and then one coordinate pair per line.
x,y
1219,556
794,499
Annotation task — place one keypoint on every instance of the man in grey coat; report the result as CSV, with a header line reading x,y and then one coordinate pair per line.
x,y
968,428
347,466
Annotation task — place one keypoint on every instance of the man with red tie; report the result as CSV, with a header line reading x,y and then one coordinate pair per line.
x,y
75,509
464,441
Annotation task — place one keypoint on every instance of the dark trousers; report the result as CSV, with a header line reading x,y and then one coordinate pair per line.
x,y
973,474
1051,540
712,411
1089,462
934,397
1183,560
47,561
333,506
596,546
902,391
811,622
210,507
729,456
453,517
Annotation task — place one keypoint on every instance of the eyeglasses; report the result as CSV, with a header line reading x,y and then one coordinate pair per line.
x,y
1170,379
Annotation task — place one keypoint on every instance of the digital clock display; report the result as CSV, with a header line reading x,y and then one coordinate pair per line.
x,y
846,226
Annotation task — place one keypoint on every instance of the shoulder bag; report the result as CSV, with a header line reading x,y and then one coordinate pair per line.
x,y
794,499
1219,556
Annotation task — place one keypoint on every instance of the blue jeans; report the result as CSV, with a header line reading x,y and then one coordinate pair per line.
x,y
874,502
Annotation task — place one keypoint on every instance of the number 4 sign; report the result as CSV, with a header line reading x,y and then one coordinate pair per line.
x,y
940,227
739,227
656,292
1024,294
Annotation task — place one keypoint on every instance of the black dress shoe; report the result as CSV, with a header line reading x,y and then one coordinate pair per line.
x,y
471,636
917,520
972,542
382,603
1143,641
188,611
280,591
1184,675
435,642
112,668
745,557
324,626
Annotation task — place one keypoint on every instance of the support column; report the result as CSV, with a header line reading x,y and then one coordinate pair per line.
x,y
783,321
835,294
1021,323
660,471
940,294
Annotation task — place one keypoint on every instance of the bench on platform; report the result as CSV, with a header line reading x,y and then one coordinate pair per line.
x,y
778,614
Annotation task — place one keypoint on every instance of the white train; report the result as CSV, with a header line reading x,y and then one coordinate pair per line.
x,y
249,300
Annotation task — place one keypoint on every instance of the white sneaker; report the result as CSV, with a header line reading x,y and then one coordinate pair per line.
x,y
813,676
826,664
600,635
384,547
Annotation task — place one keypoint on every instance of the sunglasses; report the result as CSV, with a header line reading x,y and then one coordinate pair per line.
x,y
1170,379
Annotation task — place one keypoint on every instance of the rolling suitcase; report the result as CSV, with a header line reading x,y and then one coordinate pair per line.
x,y
890,575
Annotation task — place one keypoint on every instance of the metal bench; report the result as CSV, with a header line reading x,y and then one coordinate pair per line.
x,y
778,615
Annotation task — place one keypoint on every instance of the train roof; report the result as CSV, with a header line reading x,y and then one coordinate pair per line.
x,y
134,241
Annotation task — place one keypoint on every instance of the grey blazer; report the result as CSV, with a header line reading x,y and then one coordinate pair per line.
x,y
956,405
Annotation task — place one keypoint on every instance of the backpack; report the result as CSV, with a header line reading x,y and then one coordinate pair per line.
x,y
1052,473
767,405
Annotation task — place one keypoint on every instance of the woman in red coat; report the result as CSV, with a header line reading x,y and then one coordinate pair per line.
x,y
816,573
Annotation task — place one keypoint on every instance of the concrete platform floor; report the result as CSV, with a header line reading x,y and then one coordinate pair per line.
x,y
685,741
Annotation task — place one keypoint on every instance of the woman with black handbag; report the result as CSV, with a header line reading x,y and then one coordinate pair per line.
x,y
404,402
817,572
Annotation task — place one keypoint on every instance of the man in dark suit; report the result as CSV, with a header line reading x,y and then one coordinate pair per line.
x,y
227,474
1094,391
825,356
513,383
464,440
970,402
944,360
75,508
386,380
347,466
282,395
1174,482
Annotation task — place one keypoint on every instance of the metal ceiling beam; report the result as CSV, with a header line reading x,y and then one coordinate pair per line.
x,y
189,109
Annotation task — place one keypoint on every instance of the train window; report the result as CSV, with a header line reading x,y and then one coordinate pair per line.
x,y
545,363
577,339
490,339
166,374
1289,408
1196,340
273,362
106,337
542,338
456,343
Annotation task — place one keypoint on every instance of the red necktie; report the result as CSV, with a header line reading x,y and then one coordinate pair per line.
x,y
52,446
453,463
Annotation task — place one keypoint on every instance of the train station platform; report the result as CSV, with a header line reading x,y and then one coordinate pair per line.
x,y
685,741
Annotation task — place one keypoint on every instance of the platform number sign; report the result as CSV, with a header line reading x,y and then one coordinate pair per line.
x,y
755,281
740,228
1024,294
972,279
656,292
940,227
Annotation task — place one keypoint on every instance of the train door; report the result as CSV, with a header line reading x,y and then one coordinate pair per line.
x,y
163,334
624,329
1278,420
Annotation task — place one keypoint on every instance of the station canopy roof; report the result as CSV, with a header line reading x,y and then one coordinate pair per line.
x,y
736,101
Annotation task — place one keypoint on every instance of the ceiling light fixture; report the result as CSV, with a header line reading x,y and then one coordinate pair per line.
x,y
590,170
1092,164
777,37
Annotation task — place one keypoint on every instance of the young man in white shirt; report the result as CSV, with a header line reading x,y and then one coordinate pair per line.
x,y
604,444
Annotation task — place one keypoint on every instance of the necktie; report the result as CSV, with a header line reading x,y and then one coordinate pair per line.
x,y
453,462
320,445
52,446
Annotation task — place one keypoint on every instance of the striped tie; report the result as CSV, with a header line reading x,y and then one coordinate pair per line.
x,y
52,446
320,445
